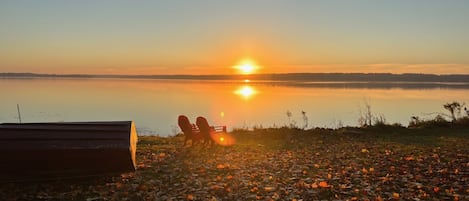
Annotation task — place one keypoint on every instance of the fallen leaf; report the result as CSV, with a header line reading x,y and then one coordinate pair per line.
x,y
323,184
190,197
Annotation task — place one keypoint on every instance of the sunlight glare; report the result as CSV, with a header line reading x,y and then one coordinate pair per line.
x,y
246,67
223,139
246,91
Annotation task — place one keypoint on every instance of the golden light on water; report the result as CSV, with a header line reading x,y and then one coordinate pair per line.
x,y
245,91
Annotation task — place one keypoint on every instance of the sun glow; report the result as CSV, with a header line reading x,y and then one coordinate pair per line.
x,y
224,139
245,91
246,67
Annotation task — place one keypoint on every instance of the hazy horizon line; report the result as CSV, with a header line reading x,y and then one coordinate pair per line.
x,y
321,80
298,77
224,74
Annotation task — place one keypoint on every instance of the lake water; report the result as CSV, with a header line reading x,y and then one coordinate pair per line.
x,y
154,105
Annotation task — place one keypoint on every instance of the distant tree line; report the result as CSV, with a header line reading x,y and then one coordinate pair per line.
x,y
303,77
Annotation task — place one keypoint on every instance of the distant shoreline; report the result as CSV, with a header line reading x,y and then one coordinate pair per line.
x,y
289,77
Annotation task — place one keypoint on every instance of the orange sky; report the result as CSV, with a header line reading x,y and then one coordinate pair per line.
x,y
210,37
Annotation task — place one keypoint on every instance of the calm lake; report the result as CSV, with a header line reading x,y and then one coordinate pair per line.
x,y
154,105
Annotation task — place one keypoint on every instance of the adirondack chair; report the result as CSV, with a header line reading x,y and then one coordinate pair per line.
x,y
190,130
201,131
208,132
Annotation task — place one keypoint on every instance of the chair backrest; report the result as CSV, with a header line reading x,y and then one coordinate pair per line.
x,y
184,124
202,123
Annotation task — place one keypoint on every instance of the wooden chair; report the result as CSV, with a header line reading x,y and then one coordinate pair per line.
x,y
190,130
208,132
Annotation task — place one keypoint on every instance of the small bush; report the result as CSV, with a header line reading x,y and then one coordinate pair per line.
x,y
380,120
438,121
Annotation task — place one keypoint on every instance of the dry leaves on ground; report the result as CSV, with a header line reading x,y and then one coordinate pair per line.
x,y
333,167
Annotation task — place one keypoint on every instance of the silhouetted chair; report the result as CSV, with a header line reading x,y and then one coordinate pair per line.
x,y
189,130
207,131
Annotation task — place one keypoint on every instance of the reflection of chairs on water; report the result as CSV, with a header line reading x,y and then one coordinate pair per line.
x,y
201,131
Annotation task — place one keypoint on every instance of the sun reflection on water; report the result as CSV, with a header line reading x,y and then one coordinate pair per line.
x,y
245,91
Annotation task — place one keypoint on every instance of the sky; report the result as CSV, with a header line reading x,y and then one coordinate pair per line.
x,y
212,36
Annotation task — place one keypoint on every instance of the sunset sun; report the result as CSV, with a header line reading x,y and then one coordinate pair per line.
x,y
246,67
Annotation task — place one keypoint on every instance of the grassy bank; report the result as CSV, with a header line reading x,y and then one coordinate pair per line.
x,y
376,163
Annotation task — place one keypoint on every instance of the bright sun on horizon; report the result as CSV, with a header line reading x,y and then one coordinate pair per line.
x,y
246,67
